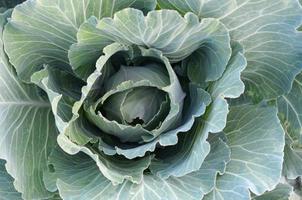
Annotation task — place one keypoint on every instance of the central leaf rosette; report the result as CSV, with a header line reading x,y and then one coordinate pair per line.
x,y
145,83
139,96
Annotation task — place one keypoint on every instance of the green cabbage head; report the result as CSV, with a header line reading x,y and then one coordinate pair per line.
x,y
149,100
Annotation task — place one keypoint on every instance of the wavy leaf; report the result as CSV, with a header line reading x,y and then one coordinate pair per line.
x,y
115,168
84,181
130,26
63,90
230,84
256,139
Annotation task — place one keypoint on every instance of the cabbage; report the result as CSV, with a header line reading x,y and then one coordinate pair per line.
x,y
146,99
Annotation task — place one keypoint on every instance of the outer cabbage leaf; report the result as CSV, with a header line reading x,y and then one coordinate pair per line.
x,y
7,189
45,29
281,192
84,181
292,166
28,131
267,31
290,110
256,139
290,113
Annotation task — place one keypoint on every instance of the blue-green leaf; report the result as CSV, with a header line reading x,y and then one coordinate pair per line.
x,y
292,165
256,139
290,110
130,26
115,168
281,192
267,31
229,85
290,113
28,132
84,181
7,189
45,29
272,44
